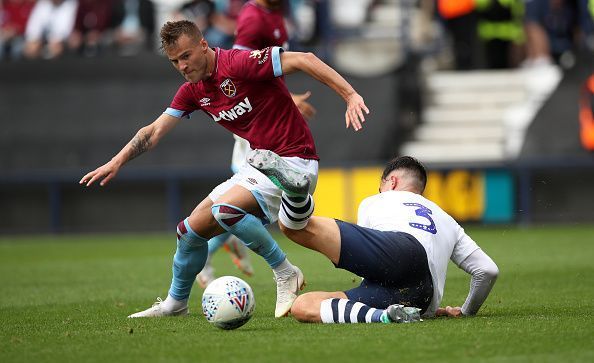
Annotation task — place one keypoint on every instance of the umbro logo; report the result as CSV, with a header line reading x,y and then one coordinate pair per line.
x,y
252,181
205,101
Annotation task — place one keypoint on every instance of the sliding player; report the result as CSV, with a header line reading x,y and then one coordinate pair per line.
x,y
401,247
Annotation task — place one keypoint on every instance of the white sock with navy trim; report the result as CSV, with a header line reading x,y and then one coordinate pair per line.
x,y
294,212
340,311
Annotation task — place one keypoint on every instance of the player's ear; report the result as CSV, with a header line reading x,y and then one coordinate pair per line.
x,y
393,182
203,44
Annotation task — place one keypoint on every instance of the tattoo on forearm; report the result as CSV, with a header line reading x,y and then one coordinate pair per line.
x,y
140,143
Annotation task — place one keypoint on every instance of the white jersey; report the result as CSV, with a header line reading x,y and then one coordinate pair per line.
x,y
441,236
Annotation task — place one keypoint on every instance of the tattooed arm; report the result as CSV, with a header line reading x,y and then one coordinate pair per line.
x,y
145,139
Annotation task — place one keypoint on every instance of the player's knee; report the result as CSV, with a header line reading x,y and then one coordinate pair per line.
x,y
292,234
286,231
227,215
305,310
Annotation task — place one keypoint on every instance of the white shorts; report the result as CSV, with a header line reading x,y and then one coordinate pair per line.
x,y
266,193
240,151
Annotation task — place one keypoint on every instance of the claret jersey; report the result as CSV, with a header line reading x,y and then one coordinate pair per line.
x,y
258,27
247,95
441,236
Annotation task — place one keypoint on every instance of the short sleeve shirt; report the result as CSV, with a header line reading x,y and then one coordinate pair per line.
x,y
258,27
246,95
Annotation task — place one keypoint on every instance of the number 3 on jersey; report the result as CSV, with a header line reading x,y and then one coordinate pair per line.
x,y
424,212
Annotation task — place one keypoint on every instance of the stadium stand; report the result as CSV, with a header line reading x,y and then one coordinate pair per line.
x,y
479,116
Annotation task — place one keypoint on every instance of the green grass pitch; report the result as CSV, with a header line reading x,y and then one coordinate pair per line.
x,y
66,298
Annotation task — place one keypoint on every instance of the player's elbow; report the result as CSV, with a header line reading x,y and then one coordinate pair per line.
x,y
306,61
309,57
490,271
311,61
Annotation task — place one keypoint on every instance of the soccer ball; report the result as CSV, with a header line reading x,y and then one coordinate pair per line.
x,y
228,302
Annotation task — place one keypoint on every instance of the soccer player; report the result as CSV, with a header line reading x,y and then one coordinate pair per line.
x,y
241,91
260,24
401,247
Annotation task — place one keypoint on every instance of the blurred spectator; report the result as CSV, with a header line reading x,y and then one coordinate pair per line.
x,y
135,24
549,27
500,28
586,19
49,25
261,24
224,20
461,20
198,11
13,20
553,27
93,18
303,20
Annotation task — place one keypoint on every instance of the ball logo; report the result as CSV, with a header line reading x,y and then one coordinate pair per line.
x,y
228,88
240,302
238,295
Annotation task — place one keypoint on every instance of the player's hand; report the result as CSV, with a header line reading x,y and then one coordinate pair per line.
x,y
354,113
450,312
306,109
103,173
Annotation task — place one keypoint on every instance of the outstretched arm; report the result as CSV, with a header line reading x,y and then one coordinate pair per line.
x,y
484,274
145,139
307,62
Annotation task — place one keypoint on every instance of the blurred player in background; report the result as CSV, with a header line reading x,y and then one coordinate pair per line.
x,y
242,91
260,24
401,247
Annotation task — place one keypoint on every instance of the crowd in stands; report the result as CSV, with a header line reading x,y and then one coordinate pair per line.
x,y
512,33
484,33
51,28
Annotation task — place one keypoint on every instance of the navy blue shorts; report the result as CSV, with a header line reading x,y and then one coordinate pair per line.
x,y
393,264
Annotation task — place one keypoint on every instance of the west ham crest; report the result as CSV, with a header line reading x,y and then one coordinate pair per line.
x,y
228,88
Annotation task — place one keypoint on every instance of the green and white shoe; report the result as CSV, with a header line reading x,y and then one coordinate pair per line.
x,y
292,181
401,314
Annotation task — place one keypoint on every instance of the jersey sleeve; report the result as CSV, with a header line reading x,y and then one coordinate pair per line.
x,y
183,103
463,248
247,35
257,65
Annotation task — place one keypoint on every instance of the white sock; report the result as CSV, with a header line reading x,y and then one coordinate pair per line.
x,y
284,269
170,304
